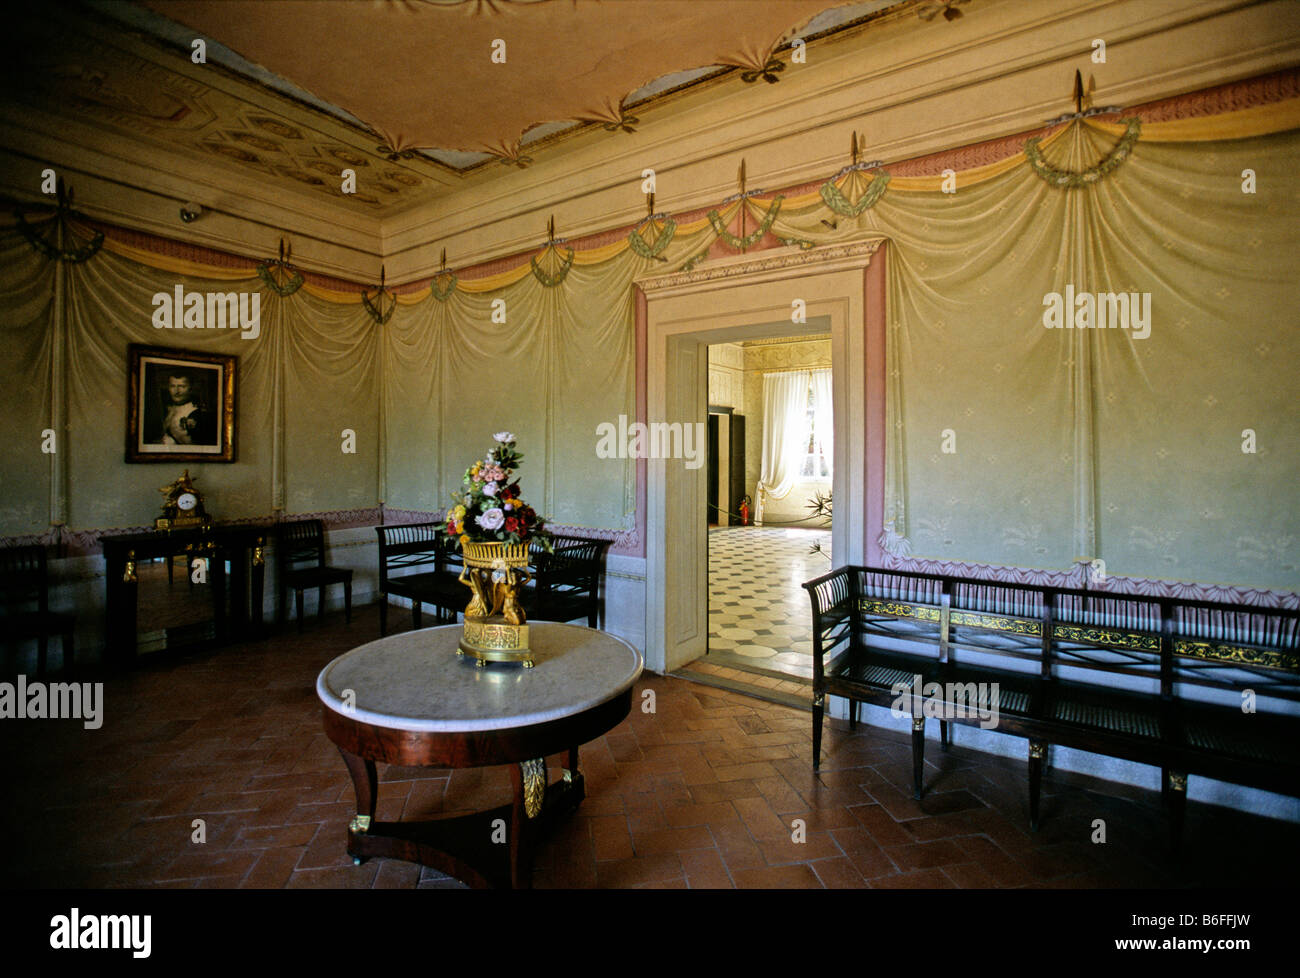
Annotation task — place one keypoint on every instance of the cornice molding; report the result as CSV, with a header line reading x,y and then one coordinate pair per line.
x,y
769,264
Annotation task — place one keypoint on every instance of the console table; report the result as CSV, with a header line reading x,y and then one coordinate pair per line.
x,y
243,546
410,700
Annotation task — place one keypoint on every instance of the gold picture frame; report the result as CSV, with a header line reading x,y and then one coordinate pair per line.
x,y
180,405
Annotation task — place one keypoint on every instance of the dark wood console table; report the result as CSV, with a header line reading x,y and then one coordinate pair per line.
x,y
410,700
244,546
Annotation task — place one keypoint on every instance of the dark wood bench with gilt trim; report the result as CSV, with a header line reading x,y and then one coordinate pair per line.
x,y
567,583
1191,687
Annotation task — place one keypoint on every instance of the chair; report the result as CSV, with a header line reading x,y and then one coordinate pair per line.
x,y
303,542
24,582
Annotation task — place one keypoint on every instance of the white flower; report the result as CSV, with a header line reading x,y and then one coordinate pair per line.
x,y
505,437
490,489
491,520
508,506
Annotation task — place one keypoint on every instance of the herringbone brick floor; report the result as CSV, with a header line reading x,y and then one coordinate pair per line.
x,y
704,792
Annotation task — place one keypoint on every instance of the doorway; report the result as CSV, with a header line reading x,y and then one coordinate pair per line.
x,y
751,298
769,509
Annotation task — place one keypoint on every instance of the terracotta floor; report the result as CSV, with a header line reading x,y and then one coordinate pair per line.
x,y
702,793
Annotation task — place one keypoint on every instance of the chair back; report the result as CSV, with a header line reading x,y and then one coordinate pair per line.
x,y
301,542
23,578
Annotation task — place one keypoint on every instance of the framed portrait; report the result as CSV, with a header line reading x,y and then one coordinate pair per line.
x,y
180,405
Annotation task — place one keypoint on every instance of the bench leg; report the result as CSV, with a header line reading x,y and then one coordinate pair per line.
x,y
819,709
1176,784
383,615
416,614
1037,751
347,602
943,734
320,604
297,597
918,755
853,714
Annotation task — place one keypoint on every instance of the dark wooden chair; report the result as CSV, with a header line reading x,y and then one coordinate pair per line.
x,y
434,561
566,581
24,603
300,555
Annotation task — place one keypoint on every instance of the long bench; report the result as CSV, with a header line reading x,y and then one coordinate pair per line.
x,y
1191,687
418,561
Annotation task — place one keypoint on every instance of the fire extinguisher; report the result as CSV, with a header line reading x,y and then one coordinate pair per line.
x,y
744,511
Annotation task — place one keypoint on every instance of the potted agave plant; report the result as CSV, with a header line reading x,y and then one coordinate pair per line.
x,y
494,527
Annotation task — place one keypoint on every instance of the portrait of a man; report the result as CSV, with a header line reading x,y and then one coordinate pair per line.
x,y
184,414
180,406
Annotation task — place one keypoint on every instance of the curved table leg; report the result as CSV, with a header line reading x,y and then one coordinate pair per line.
x,y
365,782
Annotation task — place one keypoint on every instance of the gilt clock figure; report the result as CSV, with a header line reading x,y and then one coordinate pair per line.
x,y
182,505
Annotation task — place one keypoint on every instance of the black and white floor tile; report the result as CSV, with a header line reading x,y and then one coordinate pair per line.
x,y
759,615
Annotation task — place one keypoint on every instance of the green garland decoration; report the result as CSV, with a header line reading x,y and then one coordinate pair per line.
x,y
834,197
802,243
69,256
442,295
638,244
753,236
1065,179
695,260
265,271
551,281
375,308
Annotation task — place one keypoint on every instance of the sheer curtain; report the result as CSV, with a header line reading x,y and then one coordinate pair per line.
x,y
785,433
823,416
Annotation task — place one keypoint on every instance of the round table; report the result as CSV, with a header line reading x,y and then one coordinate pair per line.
x,y
410,700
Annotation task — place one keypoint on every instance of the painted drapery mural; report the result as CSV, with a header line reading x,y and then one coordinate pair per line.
x,y
1019,432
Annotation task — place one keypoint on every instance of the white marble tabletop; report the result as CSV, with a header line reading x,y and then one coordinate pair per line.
x,y
416,681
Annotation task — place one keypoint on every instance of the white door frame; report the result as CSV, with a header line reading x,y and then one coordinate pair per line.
x,y
742,297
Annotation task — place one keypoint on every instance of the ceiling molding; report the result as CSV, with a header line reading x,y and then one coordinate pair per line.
x,y
914,88
948,97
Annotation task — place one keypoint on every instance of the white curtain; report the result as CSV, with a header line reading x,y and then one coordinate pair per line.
x,y
785,433
823,416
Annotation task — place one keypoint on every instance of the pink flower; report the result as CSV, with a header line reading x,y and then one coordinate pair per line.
x,y
491,520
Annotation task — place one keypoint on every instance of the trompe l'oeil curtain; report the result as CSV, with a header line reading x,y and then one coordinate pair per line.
x,y
1011,441
785,433
1166,446
335,411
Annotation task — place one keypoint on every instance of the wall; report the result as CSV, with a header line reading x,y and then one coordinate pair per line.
x,y
727,377
942,86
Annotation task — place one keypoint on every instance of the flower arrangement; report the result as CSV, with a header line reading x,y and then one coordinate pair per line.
x,y
490,508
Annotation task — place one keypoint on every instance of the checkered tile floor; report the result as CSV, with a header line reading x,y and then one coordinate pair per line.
x,y
760,620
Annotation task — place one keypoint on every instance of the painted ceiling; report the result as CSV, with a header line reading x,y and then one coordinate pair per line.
x,y
404,92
